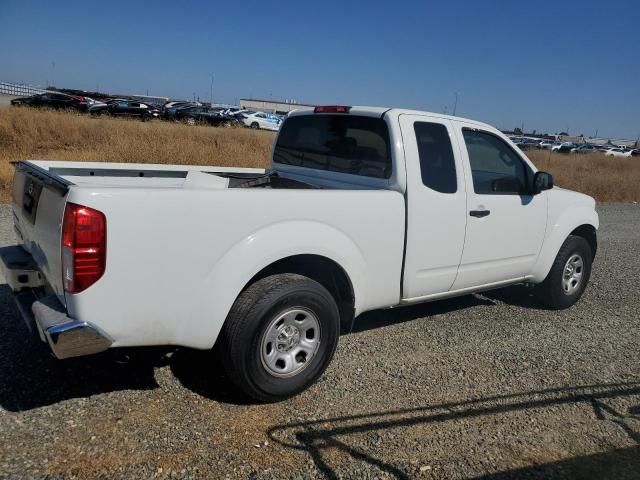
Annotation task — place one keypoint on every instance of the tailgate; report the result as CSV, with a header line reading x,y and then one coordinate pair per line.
x,y
38,206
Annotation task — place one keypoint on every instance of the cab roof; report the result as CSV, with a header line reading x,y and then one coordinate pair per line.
x,y
395,112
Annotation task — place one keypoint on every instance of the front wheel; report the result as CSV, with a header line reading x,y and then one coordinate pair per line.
x,y
279,336
568,276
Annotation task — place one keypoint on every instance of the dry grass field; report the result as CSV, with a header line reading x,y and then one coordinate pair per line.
x,y
27,133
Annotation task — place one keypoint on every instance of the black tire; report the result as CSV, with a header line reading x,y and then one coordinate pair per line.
x,y
248,321
551,291
255,125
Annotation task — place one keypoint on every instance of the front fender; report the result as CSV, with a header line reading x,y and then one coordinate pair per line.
x,y
557,232
258,250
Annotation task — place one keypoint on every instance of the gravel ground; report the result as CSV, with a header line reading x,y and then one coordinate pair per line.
x,y
488,386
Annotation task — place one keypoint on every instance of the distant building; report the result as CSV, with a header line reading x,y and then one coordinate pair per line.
x,y
272,106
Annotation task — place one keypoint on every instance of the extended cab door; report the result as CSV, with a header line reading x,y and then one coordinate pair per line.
x,y
436,205
505,223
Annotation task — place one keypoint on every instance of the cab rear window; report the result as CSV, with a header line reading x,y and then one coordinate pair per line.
x,y
351,144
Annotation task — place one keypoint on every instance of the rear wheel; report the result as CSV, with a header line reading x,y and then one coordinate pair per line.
x,y
255,125
568,276
190,121
280,336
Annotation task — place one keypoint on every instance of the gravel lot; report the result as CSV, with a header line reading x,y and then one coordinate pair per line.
x,y
488,386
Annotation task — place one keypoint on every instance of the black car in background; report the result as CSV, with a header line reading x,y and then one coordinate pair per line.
x,y
54,100
170,110
127,108
567,147
206,115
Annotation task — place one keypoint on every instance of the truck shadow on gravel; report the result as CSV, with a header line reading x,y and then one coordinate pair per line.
x,y
30,377
324,437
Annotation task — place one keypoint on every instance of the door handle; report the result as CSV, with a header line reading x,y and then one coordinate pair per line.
x,y
479,213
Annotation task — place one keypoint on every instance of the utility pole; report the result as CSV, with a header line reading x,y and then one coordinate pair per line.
x,y
211,92
455,105
53,74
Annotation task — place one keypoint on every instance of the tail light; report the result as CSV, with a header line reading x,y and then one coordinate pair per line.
x,y
84,247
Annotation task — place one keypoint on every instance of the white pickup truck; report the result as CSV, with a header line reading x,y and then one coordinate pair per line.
x,y
363,208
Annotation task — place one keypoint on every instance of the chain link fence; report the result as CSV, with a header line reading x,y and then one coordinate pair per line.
x,y
19,90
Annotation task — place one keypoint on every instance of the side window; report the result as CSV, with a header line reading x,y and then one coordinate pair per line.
x,y
495,167
437,165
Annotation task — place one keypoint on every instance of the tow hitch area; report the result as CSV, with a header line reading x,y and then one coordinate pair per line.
x,y
20,270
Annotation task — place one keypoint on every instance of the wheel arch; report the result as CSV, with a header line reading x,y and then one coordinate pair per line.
x,y
588,232
315,249
581,221
323,270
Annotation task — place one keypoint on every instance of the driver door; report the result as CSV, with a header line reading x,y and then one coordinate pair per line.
x,y
506,223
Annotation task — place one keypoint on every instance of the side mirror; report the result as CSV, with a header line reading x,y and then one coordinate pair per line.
x,y
542,181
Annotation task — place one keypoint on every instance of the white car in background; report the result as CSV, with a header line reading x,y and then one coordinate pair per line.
x,y
618,152
546,144
267,121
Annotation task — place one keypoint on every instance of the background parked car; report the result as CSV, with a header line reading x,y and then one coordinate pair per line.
x,y
584,149
126,108
176,104
206,115
546,144
53,100
564,147
617,152
267,121
170,109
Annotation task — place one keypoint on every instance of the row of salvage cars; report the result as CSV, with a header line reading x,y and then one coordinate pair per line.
x,y
191,113
609,150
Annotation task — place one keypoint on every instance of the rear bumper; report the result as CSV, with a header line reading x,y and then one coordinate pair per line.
x,y
66,336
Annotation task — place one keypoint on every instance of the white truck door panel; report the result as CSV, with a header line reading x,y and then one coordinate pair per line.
x,y
505,227
436,205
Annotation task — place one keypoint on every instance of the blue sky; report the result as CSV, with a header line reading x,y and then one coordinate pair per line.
x,y
550,65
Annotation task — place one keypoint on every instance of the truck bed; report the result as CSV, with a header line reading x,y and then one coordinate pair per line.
x,y
183,241
104,174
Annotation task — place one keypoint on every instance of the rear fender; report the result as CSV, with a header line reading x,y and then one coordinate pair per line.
x,y
244,260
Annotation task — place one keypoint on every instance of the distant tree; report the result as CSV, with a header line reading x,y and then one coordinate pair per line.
x,y
564,134
534,132
517,131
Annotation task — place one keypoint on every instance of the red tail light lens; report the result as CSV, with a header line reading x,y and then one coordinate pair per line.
x,y
84,247
332,109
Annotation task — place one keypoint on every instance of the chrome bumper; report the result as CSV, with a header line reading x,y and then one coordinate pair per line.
x,y
66,336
